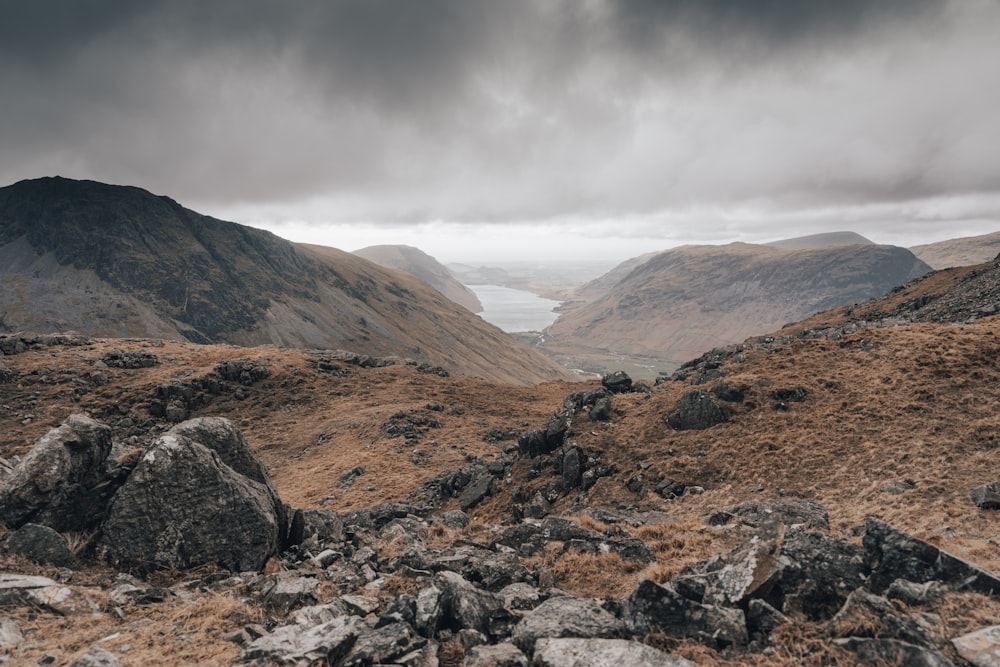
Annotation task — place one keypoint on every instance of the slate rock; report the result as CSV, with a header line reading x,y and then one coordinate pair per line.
x,y
566,616
728,392
557,428
652,607
7,374
891,554
617,382
386,645
97,657
913,594
551,652
763,619
816,574
981,648
987,496
474,493
183,507
893,652
464,606
534,443
41,544
601,410
790,512
865,613
321,525
295,645
503,654
61,482
696,410
10,633
289,592
572,468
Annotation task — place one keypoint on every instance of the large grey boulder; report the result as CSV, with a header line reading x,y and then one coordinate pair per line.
x,y
981,648
61,482
696,410
41,544
566,616
891,554
7,374
503,654
602,653
183,506
652,607
297,645
466,607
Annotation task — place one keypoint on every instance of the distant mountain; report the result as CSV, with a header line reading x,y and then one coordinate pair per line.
x,y
825,240
959,252
421,265
118,261
685,301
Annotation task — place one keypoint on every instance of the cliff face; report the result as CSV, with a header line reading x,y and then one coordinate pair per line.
x,y
113,260
685,301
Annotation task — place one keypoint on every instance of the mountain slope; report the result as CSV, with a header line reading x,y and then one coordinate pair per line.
x,y
685,301
825,240
113,260
959,252
421,265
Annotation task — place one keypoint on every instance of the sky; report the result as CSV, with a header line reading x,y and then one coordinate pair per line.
x,y
542,130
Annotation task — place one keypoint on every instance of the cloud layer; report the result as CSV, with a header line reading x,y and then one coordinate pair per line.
x,y
666,113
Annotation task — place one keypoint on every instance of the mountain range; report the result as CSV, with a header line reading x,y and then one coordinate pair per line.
x,y
421,265
119,261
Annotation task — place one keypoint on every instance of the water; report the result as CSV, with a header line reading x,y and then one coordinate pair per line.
x,y
514,309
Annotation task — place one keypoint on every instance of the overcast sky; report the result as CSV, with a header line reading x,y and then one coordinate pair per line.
x,y
491,129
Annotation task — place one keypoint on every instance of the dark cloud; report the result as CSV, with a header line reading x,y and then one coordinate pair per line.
x,y
485,111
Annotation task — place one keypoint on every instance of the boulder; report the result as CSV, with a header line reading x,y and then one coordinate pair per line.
x,y
566,616
97,657
986,496
652,607
617,382
295,645
891,554
551,652
912,594
10,633
7,374
696,410
41,544
466,607
533,443
322,525
183,507
867,614
790,512
504,654
981,648
893,652
572,468
393,644
61,482
601,410
816,574
474,493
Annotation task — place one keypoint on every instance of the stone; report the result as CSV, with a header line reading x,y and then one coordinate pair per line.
x,y
893,652
727,392
891,554
474,493
566,616
816,574
290,592
295,645
520,597
696,410
790,512
652,607
183,507
763,619
572,468
557,428
913,594
41,544
601,410
533,443
61,483
981,648
864,613
555,652
385,645
97,657
986,496
322,525
503,654
617,382
464,606
10,633
7,374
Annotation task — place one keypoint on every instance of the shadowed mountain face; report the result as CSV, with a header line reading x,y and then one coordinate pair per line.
x,y
685,301
421,265
959,252
119,261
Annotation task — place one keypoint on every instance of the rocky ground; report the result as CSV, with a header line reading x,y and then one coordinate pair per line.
x,y
821,496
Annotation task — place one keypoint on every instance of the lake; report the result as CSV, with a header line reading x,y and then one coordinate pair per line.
x,y
513,309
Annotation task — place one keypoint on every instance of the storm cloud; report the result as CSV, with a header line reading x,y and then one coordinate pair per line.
x,y
671,115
